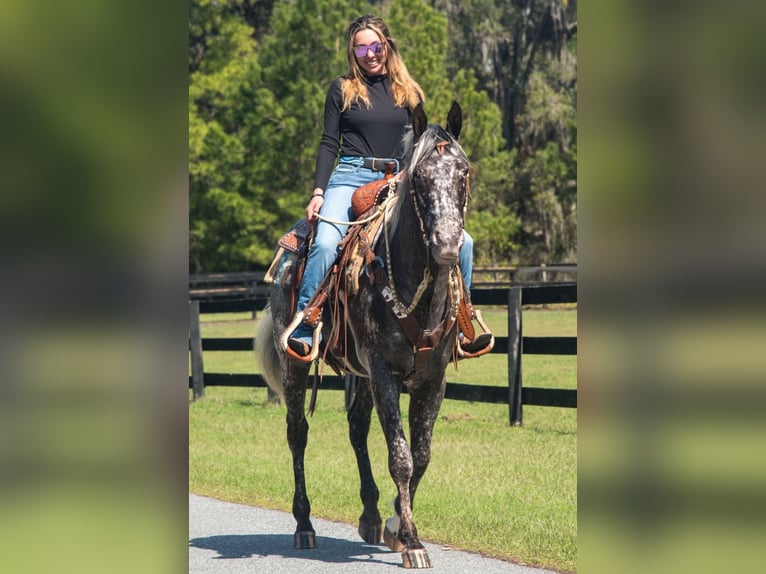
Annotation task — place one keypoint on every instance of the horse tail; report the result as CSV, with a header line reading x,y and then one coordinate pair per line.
x,y
266,354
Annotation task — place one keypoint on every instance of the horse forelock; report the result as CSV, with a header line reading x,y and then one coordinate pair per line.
x,y
416,152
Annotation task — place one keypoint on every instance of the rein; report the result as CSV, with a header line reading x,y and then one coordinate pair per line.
x,y
356,221
398,308
422,340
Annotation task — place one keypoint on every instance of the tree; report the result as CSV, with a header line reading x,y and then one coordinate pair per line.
x,y
301,55
259,72
504,43
231,210
250,157
546,190
524,56
423,32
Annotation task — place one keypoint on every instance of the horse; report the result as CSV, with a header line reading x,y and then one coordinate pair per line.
x,y
401,334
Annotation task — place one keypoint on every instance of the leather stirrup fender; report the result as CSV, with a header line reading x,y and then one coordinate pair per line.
x,y
464,316
313,312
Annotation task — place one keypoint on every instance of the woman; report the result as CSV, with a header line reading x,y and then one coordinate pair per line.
x,y
366,113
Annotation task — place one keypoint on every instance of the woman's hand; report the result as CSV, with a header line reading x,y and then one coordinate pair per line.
x,y
317,199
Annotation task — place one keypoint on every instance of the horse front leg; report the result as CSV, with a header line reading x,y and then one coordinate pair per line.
x,y
297,438
400,533
425,403
359,414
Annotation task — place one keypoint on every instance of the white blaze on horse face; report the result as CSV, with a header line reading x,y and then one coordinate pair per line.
x,y
446,220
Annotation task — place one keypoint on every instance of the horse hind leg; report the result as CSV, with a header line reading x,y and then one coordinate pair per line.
x,y
297,438
359,417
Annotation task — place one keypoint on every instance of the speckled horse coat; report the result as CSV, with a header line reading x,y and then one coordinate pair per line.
x,y
424,241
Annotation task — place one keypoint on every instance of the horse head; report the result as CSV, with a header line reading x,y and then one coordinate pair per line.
x,y
439,183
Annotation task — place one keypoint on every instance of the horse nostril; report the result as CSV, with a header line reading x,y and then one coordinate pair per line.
x,y
444,255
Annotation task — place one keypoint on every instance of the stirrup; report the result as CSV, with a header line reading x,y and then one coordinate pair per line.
x,y
292,355
463,354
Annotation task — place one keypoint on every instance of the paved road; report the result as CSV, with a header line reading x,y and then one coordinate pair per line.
x,y
227,538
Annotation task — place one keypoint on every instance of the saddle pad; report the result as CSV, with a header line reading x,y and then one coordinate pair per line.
x,y
278,270
293,239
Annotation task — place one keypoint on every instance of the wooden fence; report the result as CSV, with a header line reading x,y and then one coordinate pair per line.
x,y
515,345
525,275
250,285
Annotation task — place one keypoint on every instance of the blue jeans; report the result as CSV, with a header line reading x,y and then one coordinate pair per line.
x,y
346,178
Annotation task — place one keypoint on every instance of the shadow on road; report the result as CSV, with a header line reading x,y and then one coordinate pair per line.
x,y
331,550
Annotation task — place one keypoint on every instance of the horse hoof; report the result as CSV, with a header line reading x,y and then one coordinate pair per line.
x,y
305,539
416,558
371,533
392,540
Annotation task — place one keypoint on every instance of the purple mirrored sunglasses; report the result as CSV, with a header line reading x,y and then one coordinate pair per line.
x,y
361,50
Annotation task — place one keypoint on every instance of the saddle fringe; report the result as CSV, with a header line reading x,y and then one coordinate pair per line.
x,y
355,258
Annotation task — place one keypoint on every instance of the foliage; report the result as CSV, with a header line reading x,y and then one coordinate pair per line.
x,y
230,201
259,71
546,195
524,56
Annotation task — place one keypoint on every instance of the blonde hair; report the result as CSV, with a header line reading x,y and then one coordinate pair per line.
x,y
406,91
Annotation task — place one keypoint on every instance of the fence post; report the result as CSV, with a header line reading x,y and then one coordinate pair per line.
x,y
195,345
514,355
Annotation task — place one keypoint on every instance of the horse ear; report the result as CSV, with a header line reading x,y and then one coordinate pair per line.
x,y
419,121
455,120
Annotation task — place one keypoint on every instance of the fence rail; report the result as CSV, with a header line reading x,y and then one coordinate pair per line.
x,y
230,286
515,345
250,285
524,275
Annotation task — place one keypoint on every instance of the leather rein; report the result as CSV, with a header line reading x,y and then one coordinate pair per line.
x,y
423,340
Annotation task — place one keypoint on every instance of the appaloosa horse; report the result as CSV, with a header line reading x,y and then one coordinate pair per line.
x,y
401,332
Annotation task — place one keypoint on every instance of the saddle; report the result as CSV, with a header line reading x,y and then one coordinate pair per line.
x,y
293,246
355,259
290,259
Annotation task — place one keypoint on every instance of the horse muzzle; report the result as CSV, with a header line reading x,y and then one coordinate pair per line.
x,y
445,255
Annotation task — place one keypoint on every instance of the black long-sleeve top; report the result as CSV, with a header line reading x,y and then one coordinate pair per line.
x,y
358,131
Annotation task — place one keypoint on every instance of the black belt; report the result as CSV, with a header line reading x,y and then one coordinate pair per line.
x,y
378,164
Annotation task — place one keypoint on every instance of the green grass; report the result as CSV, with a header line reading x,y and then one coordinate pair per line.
x,y
508,492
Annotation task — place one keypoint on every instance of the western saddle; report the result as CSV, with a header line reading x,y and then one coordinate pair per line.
x,y
369,203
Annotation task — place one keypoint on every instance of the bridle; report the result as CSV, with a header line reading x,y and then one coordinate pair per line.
x,y
440,147
422,340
